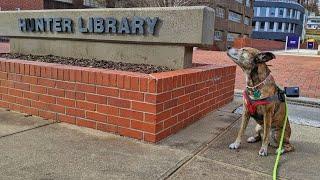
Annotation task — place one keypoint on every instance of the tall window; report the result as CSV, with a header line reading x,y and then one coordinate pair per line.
x,y
220,12
287,27
271,26
272,12
281,12
280,26
235,17
232,36
288,12
263,11
262,25
255,10
298,15
246,21
218,35
248,3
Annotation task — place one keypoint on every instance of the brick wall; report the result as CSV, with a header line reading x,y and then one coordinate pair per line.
x,y
263,45
145,107
6,5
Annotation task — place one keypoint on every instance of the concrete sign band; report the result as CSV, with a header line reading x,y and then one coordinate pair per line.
x,y
135,25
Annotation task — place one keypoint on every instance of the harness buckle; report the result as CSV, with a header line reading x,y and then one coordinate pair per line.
x,y
281,96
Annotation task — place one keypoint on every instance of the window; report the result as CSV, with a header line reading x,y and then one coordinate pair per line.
x,y
272,12
288,12
246,21
218,35
253,23
281,12
263,11
262,25
234,17
292,28
239,1
232,36
248,3
298,15
220,12
255,10
294,14
271,25
287,27
280,26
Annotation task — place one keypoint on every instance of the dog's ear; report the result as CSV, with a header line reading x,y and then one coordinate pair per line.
x,y
264,57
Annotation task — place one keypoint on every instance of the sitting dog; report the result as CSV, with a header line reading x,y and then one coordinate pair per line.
x,y
263,100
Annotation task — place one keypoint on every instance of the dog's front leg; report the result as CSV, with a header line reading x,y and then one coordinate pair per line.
x,y
266,133
244,124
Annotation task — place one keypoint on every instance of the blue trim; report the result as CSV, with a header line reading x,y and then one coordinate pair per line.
x,y
279,5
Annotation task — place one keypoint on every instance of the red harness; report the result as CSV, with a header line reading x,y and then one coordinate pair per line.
x,y
252,104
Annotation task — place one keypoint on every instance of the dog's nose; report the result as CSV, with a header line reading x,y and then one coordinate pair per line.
x,y
228,47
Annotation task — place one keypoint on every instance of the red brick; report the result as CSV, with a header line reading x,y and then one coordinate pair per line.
x,y
39,105
120,81
15,92
66,119
170,122
151,98
86,123
75,112
119,102
56,108
86,88
152,87
3,75
164,97
150,138
80,95
183,99
96,116
11,99
46,82
29,110
86,105
22,86
92,78
160,84
135,84
143,84
170,104
66,75
47,99
176,110
71,95
138,125
108,110
113,79
132,95
151,118
145,107
163,115
130,133
15,77
47,115
78,75
131,114
38,70
24,102
56,92
65,85
38,89
167,84
3,90
96,98
108,91
178,92
85,76
66,102
123,122
30,95
112,120
30,79
107,127
60,74
72,75
127,82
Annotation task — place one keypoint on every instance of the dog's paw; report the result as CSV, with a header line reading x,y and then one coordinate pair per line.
x,y
252,139
277,151
234,145
263,152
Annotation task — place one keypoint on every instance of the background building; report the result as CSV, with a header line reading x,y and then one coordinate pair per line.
x,y
9,5
276,19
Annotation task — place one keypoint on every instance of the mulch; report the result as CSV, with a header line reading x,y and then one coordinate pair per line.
x,y
93,63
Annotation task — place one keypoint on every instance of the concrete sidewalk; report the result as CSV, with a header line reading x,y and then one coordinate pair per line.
x,y
32,148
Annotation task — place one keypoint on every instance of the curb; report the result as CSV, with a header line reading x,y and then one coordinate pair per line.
x,y
302,101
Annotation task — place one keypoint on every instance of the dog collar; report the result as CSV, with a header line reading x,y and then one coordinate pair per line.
x,y
261,83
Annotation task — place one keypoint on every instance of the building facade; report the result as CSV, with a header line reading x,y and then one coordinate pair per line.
x,y
233,20
277,19
12,5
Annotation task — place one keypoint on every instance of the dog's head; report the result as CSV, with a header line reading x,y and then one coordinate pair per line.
x,y
249,58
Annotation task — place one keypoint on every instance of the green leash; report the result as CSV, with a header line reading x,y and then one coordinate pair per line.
x,y
275,168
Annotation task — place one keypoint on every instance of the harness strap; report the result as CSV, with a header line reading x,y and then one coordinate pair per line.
x,y
252,104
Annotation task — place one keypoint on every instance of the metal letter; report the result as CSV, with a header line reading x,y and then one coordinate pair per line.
x,y
152,24
90,25
98,25
40,25
111,25
124,26
48,24
81,28
57,25
30,24
137,24
22,25
67,25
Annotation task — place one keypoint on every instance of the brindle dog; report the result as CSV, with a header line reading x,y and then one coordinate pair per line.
x,y
253,64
